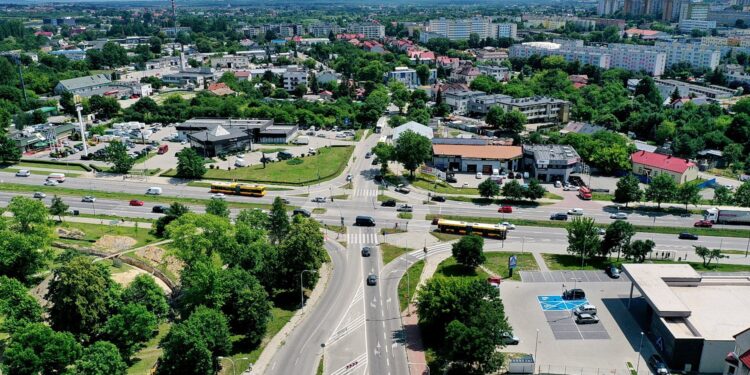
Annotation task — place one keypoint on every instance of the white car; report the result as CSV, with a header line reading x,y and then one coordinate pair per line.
x,y
405,208
508,225
479,175
575,211
50,183
88,199
218,196
571,188
23,173
40,195
319,200
619,216
349,177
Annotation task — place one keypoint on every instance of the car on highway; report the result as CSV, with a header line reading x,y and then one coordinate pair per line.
x,y
703,224
619,216
366,251
613,271
218,196
658,365
687,236
88,199
575,211
40,195
508,225
437,198
364,221
405,208
319,199
23,173
284,200
559,216
50,183
389,203
159,209
401,188
574,294
587,319
507,338
137,202
372,280
301,211
505,209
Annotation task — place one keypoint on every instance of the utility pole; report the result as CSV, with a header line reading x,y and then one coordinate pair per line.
x,y
17,59
79,108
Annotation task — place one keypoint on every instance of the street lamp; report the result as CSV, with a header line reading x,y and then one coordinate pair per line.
x,y
234,370
638,360
302,288
408,287
536,345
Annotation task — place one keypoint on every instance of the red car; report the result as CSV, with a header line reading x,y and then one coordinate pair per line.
x,y
703,223
136,202
505,209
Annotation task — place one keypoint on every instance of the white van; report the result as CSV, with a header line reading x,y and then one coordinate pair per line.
x,y
240,163
153,191
575,211
59,177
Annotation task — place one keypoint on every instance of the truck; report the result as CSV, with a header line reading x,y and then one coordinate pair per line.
x,y
722,216
302,140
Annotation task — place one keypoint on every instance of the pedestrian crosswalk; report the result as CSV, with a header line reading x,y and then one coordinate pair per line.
x,y
366,192
362,236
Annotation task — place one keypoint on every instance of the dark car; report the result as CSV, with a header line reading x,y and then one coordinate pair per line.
x,y
284,155
378,178
301,211
703,224
366,251
438,198
364,221
559,216
451,179
658,364
372,280
613,271
687,236
574,294
389,203
159,209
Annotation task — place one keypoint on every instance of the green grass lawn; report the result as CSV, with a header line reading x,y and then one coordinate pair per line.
x,y
36,172
405,215
164,199
341,197
358,134
391,252
208,185
713,267
391,230
145,359
335,228
568,262
383,198
450,268
445,237
430,183
328,163
498,262
66,167
271,150
319,210
407,286
113,217
95,231
489,201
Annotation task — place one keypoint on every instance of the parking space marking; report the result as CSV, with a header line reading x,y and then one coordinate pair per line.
x,y
563,276
556,303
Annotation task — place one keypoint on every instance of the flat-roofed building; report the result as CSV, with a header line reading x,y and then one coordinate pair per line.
x,y
550,163
214,136
473,158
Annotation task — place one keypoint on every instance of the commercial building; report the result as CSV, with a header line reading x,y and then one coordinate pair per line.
x,y
369,30
666,88
459,100
70,54
473,158
84,86
550,163
196,77
409,76
412,126
230,61
217,136
689,25
537,109
649,164
691,319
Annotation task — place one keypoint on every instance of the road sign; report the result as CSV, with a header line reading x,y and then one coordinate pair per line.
x,y
512,262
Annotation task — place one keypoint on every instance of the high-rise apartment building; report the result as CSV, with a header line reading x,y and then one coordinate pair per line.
x,y
607,7
369,30
461,29
504,30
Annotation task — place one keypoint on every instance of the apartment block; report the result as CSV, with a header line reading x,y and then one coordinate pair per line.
x,y
694,54
322,30
505,30
409,76
294,76
369,30
689,25
461,29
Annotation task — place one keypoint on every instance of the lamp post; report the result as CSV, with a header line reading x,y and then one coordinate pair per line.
x,y
302,287
408,287
638,360
536,345
234,369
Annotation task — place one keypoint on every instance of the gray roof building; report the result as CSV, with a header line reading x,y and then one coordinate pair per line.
x,y
82,84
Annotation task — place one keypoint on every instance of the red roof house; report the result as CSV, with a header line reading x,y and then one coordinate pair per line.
x,y
650,164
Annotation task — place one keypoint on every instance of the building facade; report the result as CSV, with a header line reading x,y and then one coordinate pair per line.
x,y
550,163
409,76
369,30
473,158
650,164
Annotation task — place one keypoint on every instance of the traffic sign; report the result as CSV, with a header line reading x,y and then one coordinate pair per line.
x,y
512,262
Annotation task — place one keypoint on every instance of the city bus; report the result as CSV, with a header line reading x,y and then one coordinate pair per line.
x,y
461,227
238,189
584,193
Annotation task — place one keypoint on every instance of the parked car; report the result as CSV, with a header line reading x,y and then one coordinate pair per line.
x,y
23,173
451,178
658,365
703,224
575,211
40,195
136,202
479,176
159,209
587,319
50,183
619,216
507,338
389,203
301,211
88,199
405,208
505,209
319,199
574,294
401,188
508,225
687,236
570,188
366,251
368,155
584,309
372,280
559,216
348,177
437,198
613,271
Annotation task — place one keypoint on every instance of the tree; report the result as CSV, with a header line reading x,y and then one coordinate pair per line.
x,y
104,106
399,94
513,122
688,193
99,359
218,207
471,346
144,291
117,154
17,306
583,237
193,346
675,95
154,45
628,190
190,164
638,250
385,153
29,214
535,190
722,195
300,90
661,189
469,251
495,116
9,151
247,307
488,188
412,150
129,329
24,239
647,88
175,211
742,195
513,190
36,348
708,254
423,73
278,221
58,207
617,238
81,296
301,249
256,219
201,285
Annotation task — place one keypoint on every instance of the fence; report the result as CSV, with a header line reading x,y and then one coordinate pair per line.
x,y
549,369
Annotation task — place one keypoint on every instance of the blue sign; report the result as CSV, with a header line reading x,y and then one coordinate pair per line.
x,y
556,303
512,262
346,121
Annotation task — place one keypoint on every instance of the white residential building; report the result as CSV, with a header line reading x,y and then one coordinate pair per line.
x,y
505,30
294,76
461,29
409,76
693,54
689,25
369,30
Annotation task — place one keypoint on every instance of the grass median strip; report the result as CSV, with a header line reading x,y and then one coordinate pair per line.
x,y
391,252
721,232
498,262
407,286
164,199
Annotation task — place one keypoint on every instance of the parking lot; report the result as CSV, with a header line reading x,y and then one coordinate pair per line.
x,y
567,276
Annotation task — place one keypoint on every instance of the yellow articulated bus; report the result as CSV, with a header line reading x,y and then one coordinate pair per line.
x,y
461,227
239,189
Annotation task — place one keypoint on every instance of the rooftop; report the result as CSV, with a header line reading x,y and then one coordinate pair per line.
x,y
664,162
87,81
549,153
477,151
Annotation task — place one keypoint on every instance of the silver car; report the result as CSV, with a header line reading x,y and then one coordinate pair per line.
x,y
88,199
586,319
619,216
405,208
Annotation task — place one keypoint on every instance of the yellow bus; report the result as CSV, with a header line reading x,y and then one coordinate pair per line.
x,y
238,189
461,227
